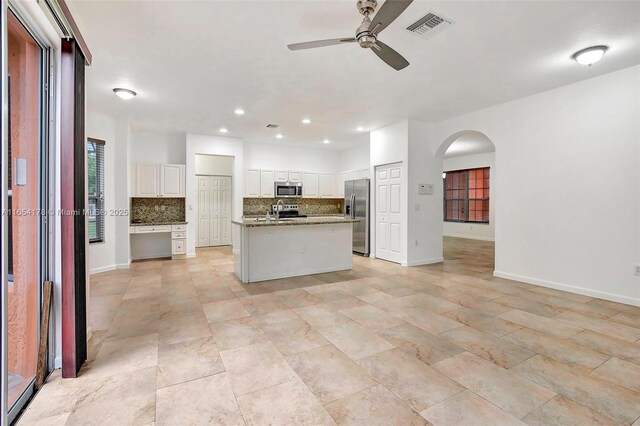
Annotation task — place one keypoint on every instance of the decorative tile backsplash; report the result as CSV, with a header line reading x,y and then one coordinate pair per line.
x,y
157,210
309,206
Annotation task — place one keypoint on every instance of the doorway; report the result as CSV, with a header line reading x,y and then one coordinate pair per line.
x,y
214,211
389,214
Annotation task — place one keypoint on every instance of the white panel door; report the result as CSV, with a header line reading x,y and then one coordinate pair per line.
x,y
326,185
282,176
309,185
252,183
147,180
204,203
267,179
214,211
172,178
389,219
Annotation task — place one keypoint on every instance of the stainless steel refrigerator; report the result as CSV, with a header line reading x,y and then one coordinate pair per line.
x,y
356,206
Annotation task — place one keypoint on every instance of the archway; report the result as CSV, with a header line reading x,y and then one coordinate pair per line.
x,y
468,200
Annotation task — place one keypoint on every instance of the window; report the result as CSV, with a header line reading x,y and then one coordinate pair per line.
x,y
95,180
466,196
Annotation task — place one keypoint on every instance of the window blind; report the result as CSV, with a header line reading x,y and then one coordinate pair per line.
x,y
95,188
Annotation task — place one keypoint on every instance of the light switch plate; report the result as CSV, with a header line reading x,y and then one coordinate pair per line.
x,y
20,177
425,189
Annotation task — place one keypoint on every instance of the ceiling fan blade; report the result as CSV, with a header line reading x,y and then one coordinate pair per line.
x,y
320,43
388,13
390,56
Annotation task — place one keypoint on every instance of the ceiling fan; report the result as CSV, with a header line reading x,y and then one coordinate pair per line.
x,y
367,32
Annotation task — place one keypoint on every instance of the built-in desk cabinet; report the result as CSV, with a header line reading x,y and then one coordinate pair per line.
x,y
178,234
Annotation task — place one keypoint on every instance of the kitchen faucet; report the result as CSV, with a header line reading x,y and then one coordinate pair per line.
x,y
278,204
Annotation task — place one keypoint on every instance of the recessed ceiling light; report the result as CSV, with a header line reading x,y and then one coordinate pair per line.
x,y
279,136
124,93
239,111
360,129
590,55
306,121
326,141
223,130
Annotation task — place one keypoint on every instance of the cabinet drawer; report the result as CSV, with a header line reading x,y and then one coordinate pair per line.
x,y
178,235
179,228
178,246
148,229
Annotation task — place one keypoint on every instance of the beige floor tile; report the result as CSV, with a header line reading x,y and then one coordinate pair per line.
x,y
414,382
329,373
424,346
275,317
294,336
297,298
175,330
430,303
501,387
124,399
255,367
188,360
208,400
125,356
384,301
482,322
299,407
371,317
620,331
608,345
563,411
601,395
467,408
373,406
354,340
622,372
56,399
620,307
428,321
210,294
176,308
626,319
528,305
224,310
545,325
184,290
491,348
319,316
237,332
561,350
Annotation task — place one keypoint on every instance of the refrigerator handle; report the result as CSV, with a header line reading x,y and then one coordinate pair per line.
x,y
353,206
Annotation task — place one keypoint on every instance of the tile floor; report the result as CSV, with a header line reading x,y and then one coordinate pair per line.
x,y
183,342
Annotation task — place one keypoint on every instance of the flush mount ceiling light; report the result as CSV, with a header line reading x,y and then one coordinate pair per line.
x,y
239,111
590,55
223,130
360,129
125,94
306,121
444,175
326,141
279,136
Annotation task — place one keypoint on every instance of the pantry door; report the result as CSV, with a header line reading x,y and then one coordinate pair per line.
x,y
214,211
389,212
204,201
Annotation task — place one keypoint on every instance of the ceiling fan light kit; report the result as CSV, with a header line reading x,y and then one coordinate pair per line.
x,y
368,31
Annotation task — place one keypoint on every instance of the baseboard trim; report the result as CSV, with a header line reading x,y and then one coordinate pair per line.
x,y
102,269
634,301
423,262
469,237
124,265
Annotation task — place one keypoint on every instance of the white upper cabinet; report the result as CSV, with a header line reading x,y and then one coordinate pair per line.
x,y
309,185
266,183
363,174
295,176
172,180
340,180
147,180
252,183
352,175
159,180
281,175
327,185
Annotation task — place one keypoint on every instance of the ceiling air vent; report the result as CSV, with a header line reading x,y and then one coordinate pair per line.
x,y
272,126
429,25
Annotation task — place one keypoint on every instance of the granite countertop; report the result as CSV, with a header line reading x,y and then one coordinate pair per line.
x,y
317,220
157,223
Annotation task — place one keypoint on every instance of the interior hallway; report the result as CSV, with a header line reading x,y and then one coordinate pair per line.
x,y
183,342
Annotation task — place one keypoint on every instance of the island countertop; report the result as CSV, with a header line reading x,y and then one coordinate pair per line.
x,y
317,220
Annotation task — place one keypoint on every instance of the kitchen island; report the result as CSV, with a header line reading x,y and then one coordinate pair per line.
x,y
267,250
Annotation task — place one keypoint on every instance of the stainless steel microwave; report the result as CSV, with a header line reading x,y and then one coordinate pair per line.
x,y
288,189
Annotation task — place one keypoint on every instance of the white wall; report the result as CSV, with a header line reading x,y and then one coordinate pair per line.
x,y
283,157
211,145
475,231
166,148
214,165
567,205
354,158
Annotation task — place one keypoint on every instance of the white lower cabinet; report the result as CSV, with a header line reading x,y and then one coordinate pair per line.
x,y
153,241
178,247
